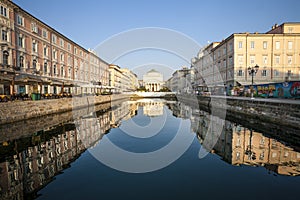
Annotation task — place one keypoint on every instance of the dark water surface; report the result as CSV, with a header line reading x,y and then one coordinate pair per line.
x,y
136,150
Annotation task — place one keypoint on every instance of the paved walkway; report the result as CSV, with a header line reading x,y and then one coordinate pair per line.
x,y
274,100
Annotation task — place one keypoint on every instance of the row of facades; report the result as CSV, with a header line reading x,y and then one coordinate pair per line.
x,y
226,63
33,53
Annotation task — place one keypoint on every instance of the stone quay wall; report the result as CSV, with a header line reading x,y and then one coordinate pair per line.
x,y
22,110
277,111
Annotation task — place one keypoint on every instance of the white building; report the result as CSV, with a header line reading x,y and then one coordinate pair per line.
x,y
153,80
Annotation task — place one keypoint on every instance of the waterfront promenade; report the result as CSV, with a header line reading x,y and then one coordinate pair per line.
x,y
22,110
281,111
285,112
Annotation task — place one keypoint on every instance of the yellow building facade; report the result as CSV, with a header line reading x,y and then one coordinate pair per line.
x,y
276,52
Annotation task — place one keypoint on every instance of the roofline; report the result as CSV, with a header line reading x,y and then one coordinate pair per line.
x,y
253,34
48,26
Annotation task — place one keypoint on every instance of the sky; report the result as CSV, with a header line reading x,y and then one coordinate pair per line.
x,y
96,24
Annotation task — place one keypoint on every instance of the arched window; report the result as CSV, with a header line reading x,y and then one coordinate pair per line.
x,y
5,57
34,64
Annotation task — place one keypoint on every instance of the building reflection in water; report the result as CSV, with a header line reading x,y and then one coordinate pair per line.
x,y
152,107
28,164
238,145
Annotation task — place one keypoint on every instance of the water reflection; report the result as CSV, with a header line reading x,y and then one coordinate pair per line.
x,y
239,145
28,163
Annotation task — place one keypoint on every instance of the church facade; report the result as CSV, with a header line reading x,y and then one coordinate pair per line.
x,y
153,81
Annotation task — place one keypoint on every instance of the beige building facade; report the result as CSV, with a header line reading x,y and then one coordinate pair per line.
x,y
131,83
276,52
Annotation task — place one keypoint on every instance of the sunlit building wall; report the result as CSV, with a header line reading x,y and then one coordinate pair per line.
x,y
34,57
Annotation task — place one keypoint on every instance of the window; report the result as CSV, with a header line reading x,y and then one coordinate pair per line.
x,y
62,42
34,27
290,60
75,50
3,11
62,72
62,57
69,47
224,51
277,59
45,33
45,67
54,54
54,39
21,41
34,64
34,47
224,63
265,44
265,60
240,44
290,45
5,57
261,156
289,73
240,59
277,45
252,59
230,46
69,60
69,72
20,20
21,61
276,73
45,51
252,44
240,73
230,60
4,35
290,30
54,69
264,72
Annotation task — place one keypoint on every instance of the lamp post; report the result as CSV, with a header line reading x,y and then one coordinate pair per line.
x,y
252,71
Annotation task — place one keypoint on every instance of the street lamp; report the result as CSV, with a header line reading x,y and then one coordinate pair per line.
x,y
252,71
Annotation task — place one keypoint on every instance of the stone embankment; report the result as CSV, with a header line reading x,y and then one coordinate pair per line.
x,y
278,111
22,110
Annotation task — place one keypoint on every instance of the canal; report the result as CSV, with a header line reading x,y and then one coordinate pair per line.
x,y
148,149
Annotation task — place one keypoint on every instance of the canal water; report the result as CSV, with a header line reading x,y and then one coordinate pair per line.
x,y
149,149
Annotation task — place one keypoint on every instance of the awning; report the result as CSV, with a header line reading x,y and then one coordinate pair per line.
x,y
5,78
68,84
27,80
55,83
242,83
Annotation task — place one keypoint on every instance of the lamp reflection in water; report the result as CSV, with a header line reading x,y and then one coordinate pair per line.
x,y
249,151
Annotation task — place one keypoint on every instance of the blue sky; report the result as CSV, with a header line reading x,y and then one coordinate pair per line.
x,y
91,22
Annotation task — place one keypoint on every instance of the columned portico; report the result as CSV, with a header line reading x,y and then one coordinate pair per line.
x,y
153,81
